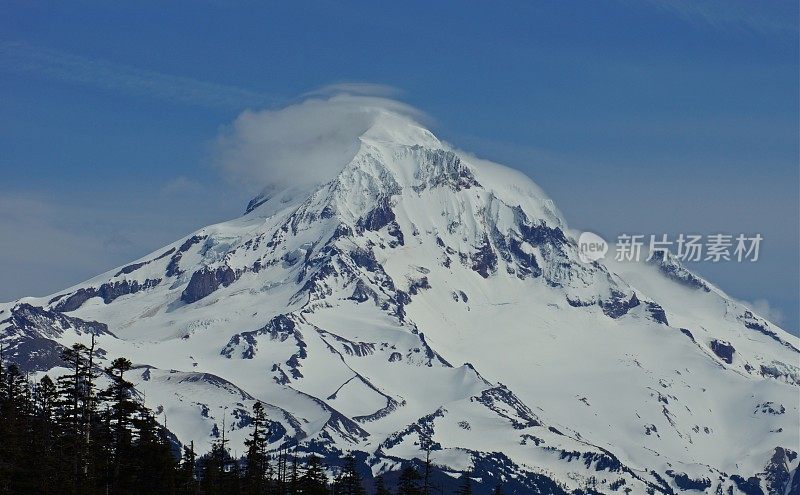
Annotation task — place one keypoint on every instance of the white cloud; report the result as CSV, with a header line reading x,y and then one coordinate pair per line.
x,y
763,308
355,88
302,144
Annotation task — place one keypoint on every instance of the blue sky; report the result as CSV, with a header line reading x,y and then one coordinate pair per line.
x,y
642,116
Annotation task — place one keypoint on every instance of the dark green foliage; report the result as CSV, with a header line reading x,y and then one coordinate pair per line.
x,y
63,437
186,478
255,476
349,481
464,485
409,483
314,481
380,486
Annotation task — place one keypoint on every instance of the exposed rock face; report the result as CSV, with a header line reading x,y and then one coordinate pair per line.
x,y
30,334
508,406
685,482
672,268
724,350
126,270
173,268
618,305
776,472
657,313
442,168
760,325
380,217
205,281
748,486
279,329
484,261
108,292
76,300
418,285
526,260
688,333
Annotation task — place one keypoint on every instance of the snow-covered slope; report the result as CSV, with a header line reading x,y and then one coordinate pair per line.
x,y
427,298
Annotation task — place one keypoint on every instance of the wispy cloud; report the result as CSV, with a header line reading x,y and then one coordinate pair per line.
x,y
22,58
768,311
304,143
773,17
358,88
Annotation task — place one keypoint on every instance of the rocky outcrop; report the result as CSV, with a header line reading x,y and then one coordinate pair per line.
x,y
685,482
29,336
618,305
657,313
442,168
776,473
417,285
173,267
723,350
205,281
753,322
126,270
672,268
484,261
244,345
507,405
525,261
378,218
108,292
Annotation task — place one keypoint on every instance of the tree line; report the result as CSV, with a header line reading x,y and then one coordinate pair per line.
x,y
67,436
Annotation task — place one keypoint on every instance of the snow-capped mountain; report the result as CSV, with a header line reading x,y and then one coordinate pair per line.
x,y
424,297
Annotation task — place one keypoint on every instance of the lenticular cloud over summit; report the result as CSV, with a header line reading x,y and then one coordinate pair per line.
x,y
303,144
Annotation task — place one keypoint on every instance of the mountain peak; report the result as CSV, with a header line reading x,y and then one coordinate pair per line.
x,y
394,155
391,127
342,303
365,131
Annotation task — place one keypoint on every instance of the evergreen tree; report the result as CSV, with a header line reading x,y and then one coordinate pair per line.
x,y
408,484
6,462
46,399
465,485
380,486
213,469
187,483
72,395
256,460
294,480
15,469
154,467
350,481
44,436
314,481
120,395
89,404
103,449
336,484
426,476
